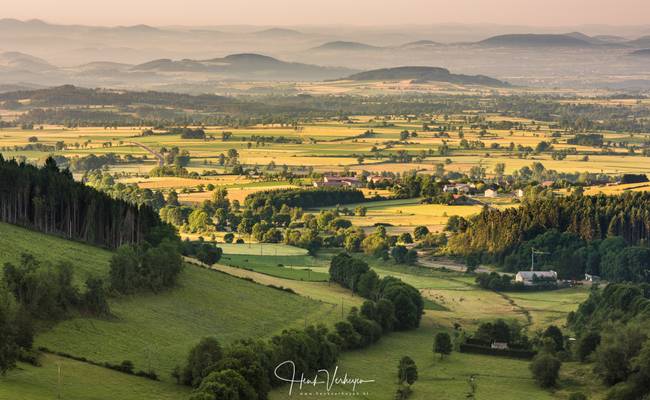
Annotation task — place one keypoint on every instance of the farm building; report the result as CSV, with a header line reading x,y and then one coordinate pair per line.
x,y
532,278
338,181
458,188
378,178
519,193
499,345
491,193
592,278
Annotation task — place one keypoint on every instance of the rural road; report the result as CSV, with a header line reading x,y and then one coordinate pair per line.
x,y
425,261
161,160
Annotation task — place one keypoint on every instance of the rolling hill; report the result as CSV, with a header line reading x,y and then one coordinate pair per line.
x,y
82,381
245,66
346,46
643,41
156,330
16,61
536,40
425,74
278,33
419,44
641,53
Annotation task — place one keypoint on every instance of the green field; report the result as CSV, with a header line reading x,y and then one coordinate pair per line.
x,y
498,378
81,381
87,260
262,249
155,331
302,267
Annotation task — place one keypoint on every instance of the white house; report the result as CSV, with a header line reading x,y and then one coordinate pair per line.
x,y
499,345
519,193
458,188
532,278
592,278
491,193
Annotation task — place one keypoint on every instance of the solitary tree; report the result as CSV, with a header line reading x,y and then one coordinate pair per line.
x,y
420,232
546,369
407,371
442,344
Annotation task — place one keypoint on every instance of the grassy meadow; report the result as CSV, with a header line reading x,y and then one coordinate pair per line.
x,y
63,378
87,260
156,330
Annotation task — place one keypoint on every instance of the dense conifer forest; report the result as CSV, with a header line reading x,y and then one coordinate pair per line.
x,y
596,234
49,200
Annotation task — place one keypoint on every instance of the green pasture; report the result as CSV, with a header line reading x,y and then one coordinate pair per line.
x,y
301,267
63,378
262,249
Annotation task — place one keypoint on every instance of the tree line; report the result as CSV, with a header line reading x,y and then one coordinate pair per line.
x,y
600,234
612,334
357,276
306,198
49,200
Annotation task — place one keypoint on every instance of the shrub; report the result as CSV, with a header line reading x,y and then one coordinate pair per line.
x,y
546,369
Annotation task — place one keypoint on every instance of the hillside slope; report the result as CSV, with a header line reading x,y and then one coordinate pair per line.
x,y
425,74
535,40
156,331
81,381
87,260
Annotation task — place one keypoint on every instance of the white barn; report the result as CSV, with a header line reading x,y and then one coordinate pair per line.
x,y
531,278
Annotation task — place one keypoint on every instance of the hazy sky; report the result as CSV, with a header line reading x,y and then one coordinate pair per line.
x,y
328,12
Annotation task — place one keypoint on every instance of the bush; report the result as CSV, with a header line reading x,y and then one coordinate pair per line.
x,y
201,361
587,344
137,267
420,232
546,369
126,366
407,371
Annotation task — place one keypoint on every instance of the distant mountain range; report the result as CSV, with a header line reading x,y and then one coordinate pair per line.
x,y
573,39
16,66
246,66
242,67
425,74
191,58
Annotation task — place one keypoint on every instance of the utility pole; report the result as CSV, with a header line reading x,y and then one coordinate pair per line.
x,y
532,257
58,380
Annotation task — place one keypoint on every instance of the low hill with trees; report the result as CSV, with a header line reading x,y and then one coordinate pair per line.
x,y
425,74
535,40
600,235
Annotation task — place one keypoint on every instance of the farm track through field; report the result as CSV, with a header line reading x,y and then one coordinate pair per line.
x,y
524,311
161,160
428,263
